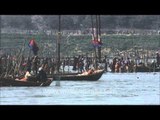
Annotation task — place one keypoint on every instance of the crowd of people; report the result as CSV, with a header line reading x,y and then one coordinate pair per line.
x,y
131,65
41,67
26,67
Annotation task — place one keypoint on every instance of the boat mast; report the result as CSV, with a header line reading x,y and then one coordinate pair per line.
x,y
0,50
0,32
58,44
58,52
94,39
99,32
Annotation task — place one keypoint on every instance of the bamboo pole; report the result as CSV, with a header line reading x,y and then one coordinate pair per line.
x,y
0,49
23,50
58,51
99,32
94,39
0,32
58,45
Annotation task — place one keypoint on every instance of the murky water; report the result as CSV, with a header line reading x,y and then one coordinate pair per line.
x,y
110,89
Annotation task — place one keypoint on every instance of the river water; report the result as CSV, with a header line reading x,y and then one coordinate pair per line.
x,y
110,89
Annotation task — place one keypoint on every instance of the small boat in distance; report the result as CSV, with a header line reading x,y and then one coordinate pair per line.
x,y
9,82
96,75
146,69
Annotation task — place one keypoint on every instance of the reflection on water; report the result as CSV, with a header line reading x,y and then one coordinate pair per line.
x,y
111,89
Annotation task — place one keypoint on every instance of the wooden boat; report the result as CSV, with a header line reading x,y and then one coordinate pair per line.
x,y
79,77
146,69
4,82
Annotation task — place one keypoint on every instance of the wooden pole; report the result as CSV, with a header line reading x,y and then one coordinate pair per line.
x,y
58,51
94,39
0,48
21,56
58,45
97,27
0,32
99,32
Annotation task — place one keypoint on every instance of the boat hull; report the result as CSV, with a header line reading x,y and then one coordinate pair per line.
x,y
4,82
78,77
146,69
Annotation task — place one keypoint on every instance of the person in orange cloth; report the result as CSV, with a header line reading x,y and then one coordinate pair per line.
x,y
25,78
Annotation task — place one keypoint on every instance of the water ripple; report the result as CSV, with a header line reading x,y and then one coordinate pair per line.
x,y
111,89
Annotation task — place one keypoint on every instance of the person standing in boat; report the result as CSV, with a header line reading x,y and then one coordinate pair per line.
x,y
81,66
75,61
104,61
1,66
35,65
42,76
113,64
158,59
